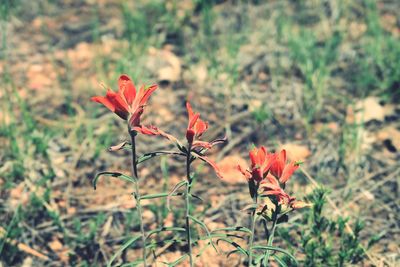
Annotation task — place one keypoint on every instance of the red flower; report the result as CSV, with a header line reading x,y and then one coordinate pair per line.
x,y
271,187
196,127
126,103
261,162
282,170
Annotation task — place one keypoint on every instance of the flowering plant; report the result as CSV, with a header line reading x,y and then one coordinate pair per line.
x,y
267,176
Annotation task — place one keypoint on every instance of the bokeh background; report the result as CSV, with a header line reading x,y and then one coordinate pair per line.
x,y
319,78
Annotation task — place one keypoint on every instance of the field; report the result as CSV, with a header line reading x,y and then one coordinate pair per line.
x,y
320,79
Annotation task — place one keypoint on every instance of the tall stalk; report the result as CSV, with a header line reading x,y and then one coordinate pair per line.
x,y
272,232
137,194
187,204
253,223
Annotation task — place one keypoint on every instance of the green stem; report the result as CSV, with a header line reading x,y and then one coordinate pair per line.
x,y
272,233
137,195
187,204
253,224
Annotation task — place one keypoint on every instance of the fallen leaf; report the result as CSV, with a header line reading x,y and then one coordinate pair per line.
x,y
228,169
18,196
296,152
169,220
55,245
390,136
165,64
366,110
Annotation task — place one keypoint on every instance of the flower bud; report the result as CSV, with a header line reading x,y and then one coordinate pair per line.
x,y
190,135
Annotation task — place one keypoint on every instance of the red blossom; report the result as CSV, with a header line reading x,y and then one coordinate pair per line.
x,y
261,162
126,103
196,127
271,187
282,170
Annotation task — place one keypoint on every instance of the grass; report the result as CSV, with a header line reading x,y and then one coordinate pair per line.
x,y
213,34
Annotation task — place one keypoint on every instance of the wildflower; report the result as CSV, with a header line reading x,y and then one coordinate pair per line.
x,y
126,103
271,187
282,170
196,127
261,162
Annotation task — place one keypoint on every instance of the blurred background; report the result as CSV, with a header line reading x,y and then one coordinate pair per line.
x,y
319,78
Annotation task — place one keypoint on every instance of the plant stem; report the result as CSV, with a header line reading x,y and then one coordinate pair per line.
x,y
272,233
253,224
137,194
187,204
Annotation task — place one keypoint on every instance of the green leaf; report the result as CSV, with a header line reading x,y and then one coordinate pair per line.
x,y
176,187
205,228
284,218
152,196
150,155
164,229
176,262
275,249
232,252
133,263
122,248
235,229
280,261
112,174
197,197
234,244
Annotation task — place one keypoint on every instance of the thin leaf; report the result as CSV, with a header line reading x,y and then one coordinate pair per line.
x,y
175,262
236,229
152,196
177,186
205,228
122,248
150,155
275,249
232,252
197,197
120,146
112,174
164,229
234,244
280,261
133,263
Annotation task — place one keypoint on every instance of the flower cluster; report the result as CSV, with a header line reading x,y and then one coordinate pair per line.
x,y
268,175
129,105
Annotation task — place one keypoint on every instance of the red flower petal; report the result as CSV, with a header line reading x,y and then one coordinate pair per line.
x,y
121,107
212,164
289,169
104,100
279,164
127,88
152,130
